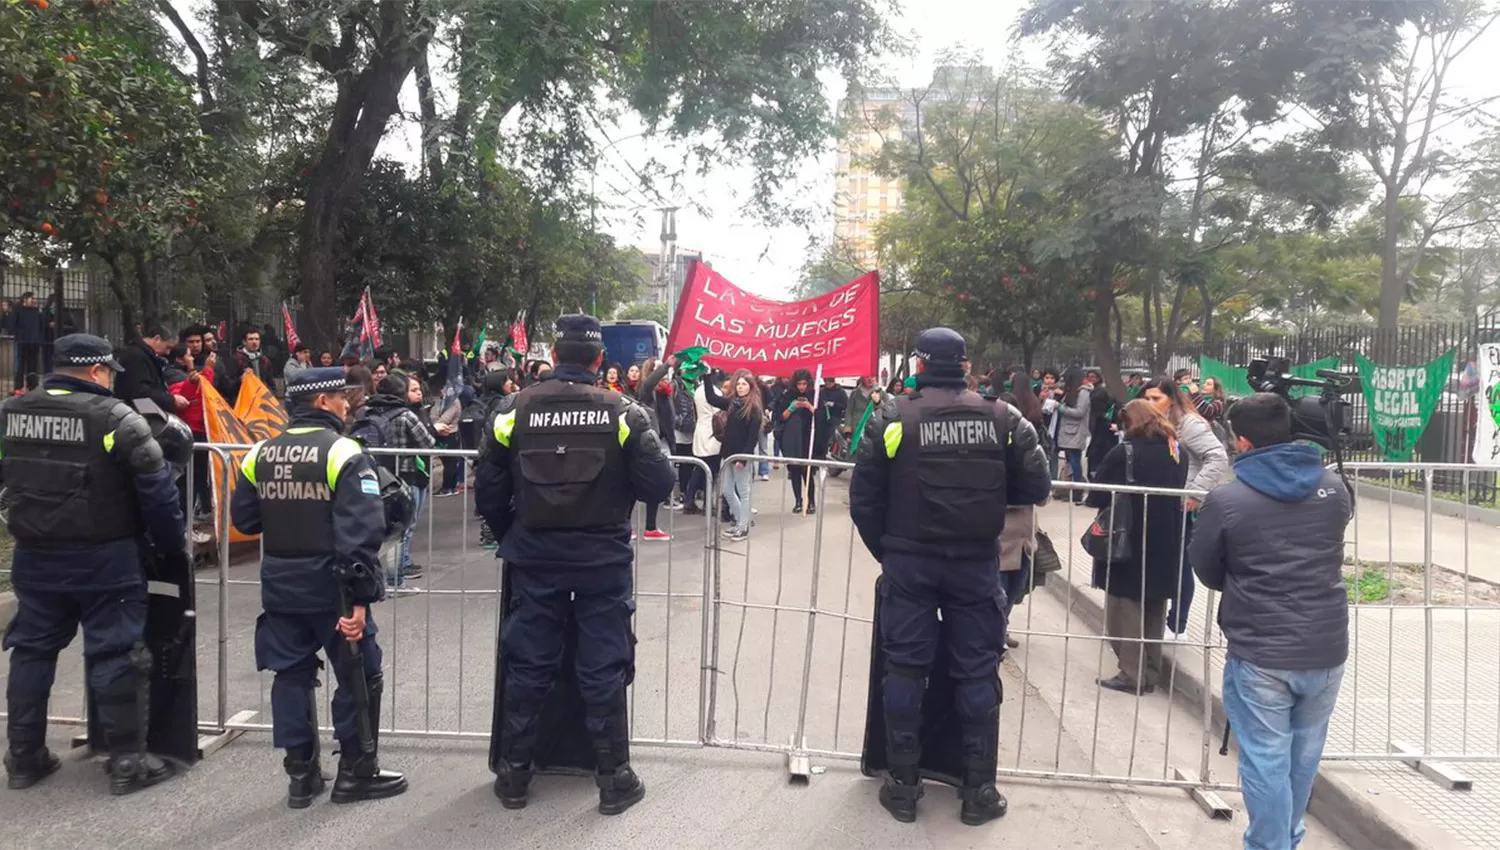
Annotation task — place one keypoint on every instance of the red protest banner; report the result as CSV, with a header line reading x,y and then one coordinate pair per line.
x,y
838,331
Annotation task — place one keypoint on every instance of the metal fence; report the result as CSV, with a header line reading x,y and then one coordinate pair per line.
x,y
764,643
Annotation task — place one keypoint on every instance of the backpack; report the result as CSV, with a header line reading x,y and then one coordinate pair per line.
x,y
373,430
684,411
720,424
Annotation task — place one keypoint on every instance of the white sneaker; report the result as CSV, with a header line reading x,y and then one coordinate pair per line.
x,y
201,537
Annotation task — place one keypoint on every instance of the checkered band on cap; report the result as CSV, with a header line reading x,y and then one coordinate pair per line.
x,y
314,387
84,360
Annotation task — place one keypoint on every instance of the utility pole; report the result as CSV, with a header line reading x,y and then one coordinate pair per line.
x,y
666,265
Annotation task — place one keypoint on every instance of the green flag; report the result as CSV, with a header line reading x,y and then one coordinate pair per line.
x,y
690,365
478,348
1401,400
1234,382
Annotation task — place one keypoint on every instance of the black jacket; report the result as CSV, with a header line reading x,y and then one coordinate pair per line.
x,y
306,584
1273,541
118,564
1027,480
1151,574
143,377
651,477
741,435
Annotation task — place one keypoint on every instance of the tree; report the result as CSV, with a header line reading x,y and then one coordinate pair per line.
x,y
745,73
654,311
100,151
1397,126
1169,74
828,266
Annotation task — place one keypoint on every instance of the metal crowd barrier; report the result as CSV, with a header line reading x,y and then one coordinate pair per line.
x,y
439,675
782,621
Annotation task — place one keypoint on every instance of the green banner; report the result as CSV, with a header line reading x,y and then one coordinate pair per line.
x,y
1232,378
1401,401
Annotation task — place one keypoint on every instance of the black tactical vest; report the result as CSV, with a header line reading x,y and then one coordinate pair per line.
x,y
568,459
63,482
296,495
948,475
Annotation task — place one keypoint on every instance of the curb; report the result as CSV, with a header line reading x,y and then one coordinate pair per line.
x,y
1440,507
7,609
1336,801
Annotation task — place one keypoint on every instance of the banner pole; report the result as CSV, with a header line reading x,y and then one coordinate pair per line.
x,y
812,433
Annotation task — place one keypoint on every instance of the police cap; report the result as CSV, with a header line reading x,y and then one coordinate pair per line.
x,y
80,351
579,328
941,345
324,379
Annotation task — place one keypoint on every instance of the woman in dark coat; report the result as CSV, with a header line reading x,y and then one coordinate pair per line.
x,y
795,416
1139,588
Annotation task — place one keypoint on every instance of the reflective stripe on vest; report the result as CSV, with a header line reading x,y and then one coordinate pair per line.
x,y
892,436
339,454
505,425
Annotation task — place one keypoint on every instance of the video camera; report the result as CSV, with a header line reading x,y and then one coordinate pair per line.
x,y
1317,419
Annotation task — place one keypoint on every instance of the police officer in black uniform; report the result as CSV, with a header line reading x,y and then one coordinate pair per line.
x,y
561,467
314,497
84,481
928,496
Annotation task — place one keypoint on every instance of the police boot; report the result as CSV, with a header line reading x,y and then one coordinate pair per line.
x,y
903,785
513,771
305,775
360,776
619,787
24,770
127,701
981,802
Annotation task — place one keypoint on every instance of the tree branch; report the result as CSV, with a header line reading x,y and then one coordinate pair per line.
x,y
205,89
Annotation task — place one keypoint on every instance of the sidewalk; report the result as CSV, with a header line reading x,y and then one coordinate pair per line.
x,y
1382,695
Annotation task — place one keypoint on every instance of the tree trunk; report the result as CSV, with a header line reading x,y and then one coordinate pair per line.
x,y
1392,287
1104,299
150,288
117,286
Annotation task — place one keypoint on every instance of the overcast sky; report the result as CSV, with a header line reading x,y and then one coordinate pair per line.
x,y
766,260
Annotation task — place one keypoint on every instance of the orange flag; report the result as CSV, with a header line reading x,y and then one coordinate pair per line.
x,y
257,415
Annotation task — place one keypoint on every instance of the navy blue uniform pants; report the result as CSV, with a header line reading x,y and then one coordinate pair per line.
x,y
114,623
972,630
288,644
531,637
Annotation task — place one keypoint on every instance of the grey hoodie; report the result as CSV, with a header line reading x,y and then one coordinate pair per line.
x,y
1272,541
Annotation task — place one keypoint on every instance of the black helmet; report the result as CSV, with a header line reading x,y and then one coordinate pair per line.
x,y
396,497
170,432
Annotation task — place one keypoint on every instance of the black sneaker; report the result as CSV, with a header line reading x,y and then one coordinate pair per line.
x,y
900,800
24,771
619,791
135,772
981,804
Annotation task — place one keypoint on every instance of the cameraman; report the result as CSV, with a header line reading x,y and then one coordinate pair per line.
x,y
1272,541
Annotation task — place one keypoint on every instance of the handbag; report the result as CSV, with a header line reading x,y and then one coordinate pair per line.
x,y
1108,537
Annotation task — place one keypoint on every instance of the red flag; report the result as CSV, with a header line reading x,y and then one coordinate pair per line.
x,y
292,340
223,332
372,322
457,348
518,335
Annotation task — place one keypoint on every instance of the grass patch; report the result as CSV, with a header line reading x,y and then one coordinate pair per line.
x,y
1367,587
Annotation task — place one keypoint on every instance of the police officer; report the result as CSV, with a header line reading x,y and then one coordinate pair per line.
x,y
559,472
85,481
314,497
928,497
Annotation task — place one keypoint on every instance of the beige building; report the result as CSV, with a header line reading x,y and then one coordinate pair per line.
x,y
872,117
861,196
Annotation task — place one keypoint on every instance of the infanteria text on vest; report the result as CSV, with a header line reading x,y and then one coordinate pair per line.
x,y
568,457
952,447
64,482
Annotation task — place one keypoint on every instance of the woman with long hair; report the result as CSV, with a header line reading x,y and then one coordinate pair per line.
x,y
611,380
655,394
1138,588
741,433
1018,538
1207,464
799,423
1073,425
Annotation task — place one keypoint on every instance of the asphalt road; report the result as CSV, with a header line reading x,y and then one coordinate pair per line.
x,y
755,647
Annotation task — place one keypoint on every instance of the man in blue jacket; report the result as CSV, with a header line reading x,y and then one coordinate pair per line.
x,y
560,469
1272,541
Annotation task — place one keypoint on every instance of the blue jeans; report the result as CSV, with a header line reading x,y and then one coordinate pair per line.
x,y
737,493
764,468
1075,466
1280,719
419,498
